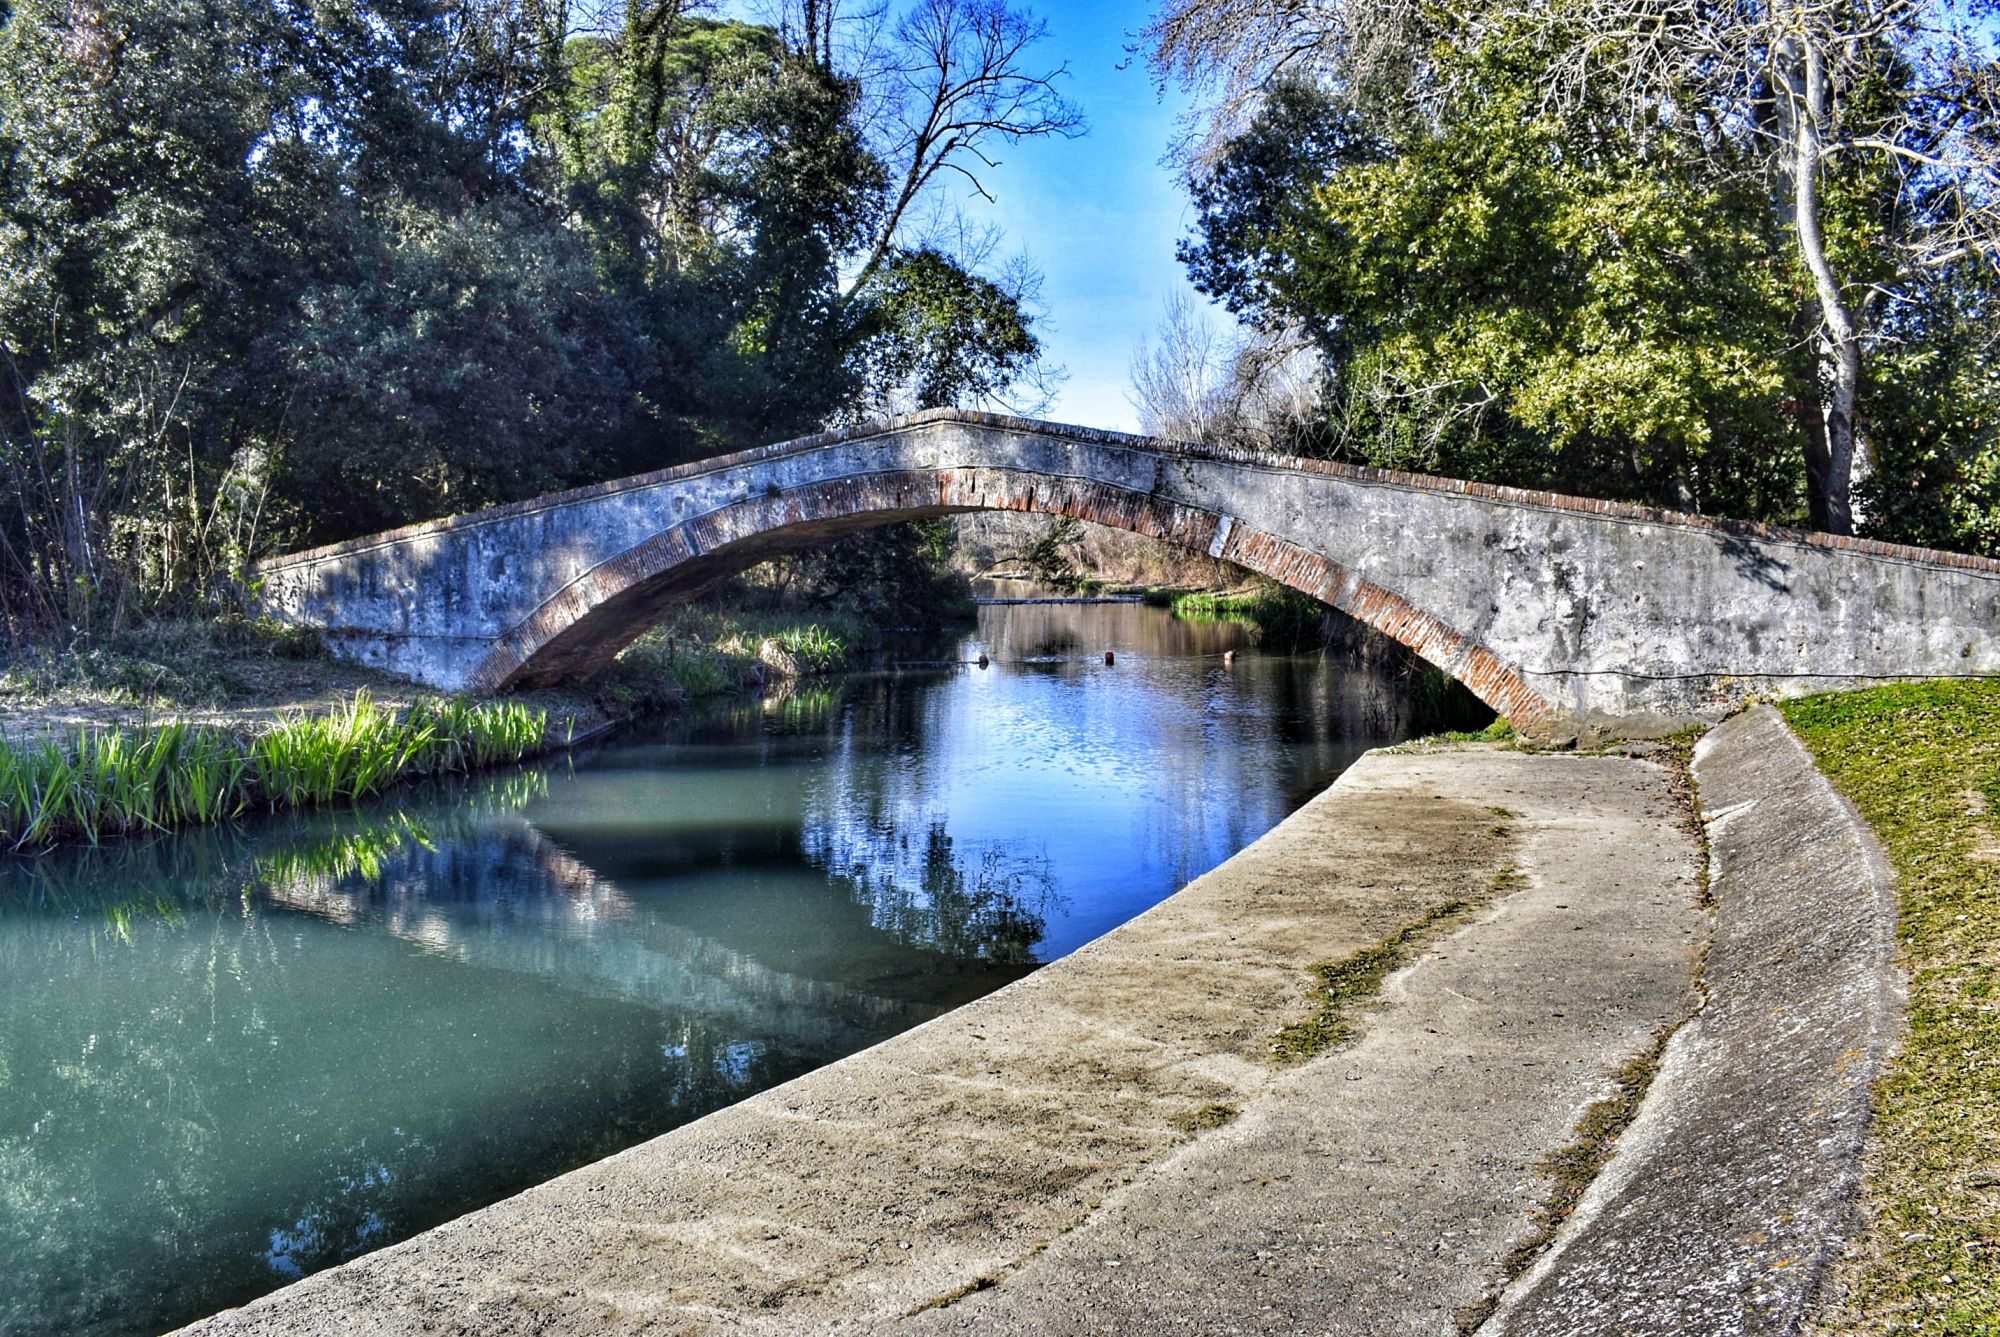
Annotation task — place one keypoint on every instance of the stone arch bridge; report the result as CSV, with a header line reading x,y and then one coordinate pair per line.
x,y
1568,616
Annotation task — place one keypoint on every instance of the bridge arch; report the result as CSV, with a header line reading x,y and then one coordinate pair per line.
x,y
1573,617
582,627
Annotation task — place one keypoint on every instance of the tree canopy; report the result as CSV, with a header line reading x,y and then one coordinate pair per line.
x,y
290,270
1739,259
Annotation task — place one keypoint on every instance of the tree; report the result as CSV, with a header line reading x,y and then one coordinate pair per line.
x,y
944,335
1196,384
287,271
1869,126
464,359
954,84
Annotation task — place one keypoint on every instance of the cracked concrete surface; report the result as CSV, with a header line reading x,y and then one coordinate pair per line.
x,y
1028,1143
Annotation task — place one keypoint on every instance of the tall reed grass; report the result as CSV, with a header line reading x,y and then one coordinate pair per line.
x,y
110,782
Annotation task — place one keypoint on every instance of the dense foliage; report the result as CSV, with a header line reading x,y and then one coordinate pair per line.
x,y
1741,261
286,271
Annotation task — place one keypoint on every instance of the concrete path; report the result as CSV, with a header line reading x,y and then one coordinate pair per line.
x,y
1021,1164
1739,1180
1381,1189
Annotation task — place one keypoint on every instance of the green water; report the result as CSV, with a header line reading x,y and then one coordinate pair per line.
x,y
232,1058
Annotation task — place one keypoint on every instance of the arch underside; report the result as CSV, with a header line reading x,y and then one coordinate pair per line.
x,y
582,627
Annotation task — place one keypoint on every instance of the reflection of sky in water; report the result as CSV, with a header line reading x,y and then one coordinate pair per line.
x,y
232,1058
1105,786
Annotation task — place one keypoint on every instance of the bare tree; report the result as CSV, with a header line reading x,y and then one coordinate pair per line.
x,y
1774,86
955,81
1177,383
1199,384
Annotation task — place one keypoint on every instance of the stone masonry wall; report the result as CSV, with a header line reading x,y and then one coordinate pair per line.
x,y
1567,615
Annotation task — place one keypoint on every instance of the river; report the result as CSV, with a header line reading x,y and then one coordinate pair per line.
x,y
234,1057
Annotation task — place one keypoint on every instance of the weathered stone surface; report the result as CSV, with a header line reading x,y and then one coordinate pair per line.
x,y
1740,1179
1565,614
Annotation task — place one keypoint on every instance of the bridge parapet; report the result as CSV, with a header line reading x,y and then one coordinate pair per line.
x,y
1568,615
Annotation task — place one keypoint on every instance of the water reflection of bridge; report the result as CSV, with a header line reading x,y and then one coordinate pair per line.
x,y
476,902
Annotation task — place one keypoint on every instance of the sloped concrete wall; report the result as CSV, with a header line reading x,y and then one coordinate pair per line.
x,y
1567,615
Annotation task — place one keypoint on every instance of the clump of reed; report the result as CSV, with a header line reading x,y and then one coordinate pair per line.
x,y
110,782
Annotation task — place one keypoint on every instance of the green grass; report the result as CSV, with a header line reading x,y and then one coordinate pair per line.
x,y
1921,762
1339,985
112,782
1500,731
1277,616
701,651
1203,1118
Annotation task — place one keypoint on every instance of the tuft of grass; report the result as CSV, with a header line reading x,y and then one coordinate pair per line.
x,y
1570,1169
702,651
815,648
954,1295
1277,616
112,782
1340,984
1500,731
1202,1118
1921,763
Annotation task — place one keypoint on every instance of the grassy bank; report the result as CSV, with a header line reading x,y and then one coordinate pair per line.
x,y
118,781
1922,764
707,651
1281,619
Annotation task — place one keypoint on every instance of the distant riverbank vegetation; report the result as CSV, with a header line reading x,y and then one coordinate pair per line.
x,y
1742,260
276,274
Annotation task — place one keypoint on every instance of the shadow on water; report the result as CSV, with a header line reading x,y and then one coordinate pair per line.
x,y
233,1057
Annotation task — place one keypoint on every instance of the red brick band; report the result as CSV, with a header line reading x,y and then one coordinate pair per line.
x,y
583,625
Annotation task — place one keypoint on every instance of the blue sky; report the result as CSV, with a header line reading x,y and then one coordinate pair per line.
x,y
1098,215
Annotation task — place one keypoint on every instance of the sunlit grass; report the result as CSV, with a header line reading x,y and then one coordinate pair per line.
x,y
1921,761
111,782
702,652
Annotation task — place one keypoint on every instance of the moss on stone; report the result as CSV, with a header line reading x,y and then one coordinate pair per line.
x,y
1203,1117
1340,984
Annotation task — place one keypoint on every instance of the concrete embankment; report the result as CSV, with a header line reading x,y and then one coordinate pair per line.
x,y
1108,1145
1739,1181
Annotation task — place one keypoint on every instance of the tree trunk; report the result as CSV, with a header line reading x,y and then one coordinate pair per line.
x,y
1812,425
1803,73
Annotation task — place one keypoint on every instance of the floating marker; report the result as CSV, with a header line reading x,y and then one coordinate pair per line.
x,y
1229,659
1107,657
982,661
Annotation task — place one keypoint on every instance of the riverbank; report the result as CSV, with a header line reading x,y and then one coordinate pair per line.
x,y
1921,762
184,723
238,674
1116,1128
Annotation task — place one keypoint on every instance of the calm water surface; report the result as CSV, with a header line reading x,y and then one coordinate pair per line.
x,y
232,1058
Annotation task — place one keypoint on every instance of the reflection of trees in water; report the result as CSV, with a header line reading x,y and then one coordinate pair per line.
x,y
187,1148
995,911
211,1082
